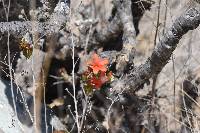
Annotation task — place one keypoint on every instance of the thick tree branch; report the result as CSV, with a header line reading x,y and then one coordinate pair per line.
x,y
129,35
114,28
57,19
163,51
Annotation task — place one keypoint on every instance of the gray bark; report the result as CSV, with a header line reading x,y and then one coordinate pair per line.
x,y
160,56
53,25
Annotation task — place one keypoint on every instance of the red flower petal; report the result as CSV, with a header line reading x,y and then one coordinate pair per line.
x,y
98,64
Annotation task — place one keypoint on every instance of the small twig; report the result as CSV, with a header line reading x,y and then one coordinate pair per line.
x,y
174,86
165,18
155,38
74,86
9,57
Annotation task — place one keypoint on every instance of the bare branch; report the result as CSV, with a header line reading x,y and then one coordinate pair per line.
x,y
163,51
57,19
129,35
114,28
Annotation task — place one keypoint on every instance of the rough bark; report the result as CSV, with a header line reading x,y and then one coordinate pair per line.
x,y
57,19
163,51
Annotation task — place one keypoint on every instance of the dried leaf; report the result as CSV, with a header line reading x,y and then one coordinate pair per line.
x,y
56,102
26,48
61,131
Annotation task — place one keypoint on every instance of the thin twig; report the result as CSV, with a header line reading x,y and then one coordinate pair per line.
x,y
9,57
174,86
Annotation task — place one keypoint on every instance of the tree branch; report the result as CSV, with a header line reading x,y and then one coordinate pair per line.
x,y
162,52
129,35
57,19
114,28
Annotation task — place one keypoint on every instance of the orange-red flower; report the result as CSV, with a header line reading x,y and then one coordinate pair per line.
x,y
97,64
97,74
99,80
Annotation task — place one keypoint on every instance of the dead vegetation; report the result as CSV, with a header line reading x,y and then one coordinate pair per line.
x,y
143,75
